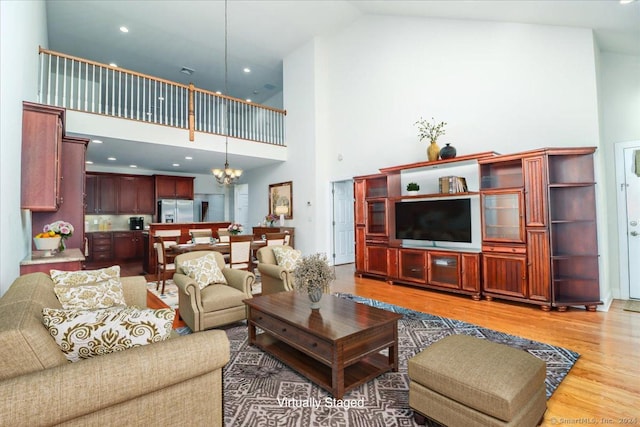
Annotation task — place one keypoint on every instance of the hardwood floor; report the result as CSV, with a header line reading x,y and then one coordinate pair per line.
x,y
604,385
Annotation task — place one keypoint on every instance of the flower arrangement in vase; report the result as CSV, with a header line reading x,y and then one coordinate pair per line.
x,y
58,229
313,275
271,219
431,131
235,228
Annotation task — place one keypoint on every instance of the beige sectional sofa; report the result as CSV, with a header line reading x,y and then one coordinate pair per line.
x,y
166,383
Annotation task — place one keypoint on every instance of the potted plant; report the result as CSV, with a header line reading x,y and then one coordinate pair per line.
x,y
431,131
313,275
413,188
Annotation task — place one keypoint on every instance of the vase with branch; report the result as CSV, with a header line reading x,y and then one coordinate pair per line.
x,y
431,131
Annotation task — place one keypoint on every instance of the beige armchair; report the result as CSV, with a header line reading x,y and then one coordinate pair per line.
x,y
274,277
215,305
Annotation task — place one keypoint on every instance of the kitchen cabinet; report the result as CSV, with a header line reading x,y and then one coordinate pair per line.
x,y
42,131
136,195
173,187
72,193
100,247
127,245
102,194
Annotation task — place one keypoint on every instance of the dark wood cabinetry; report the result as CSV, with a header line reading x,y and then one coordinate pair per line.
x,y
173,187
539,228
42,131
537,222
136,195
128,245
109,193
102,194
100,247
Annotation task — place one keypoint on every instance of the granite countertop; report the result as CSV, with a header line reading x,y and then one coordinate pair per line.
x,y
38,257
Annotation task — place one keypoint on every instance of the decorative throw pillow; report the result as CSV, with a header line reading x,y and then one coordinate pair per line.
x,y
74,278
74,288
204,270
287,257
82,334
89,296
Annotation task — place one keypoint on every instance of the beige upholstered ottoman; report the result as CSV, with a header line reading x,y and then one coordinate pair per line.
x,y
467,381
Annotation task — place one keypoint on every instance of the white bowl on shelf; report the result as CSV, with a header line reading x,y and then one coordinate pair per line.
x,y
47,244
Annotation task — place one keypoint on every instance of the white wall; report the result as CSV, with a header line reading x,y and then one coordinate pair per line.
x,y
619,80
356,94
23,27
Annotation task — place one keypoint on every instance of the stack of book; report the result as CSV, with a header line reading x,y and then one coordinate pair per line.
x,y
452,184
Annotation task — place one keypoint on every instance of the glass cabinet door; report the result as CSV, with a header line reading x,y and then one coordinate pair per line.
x,y
502,216
377,217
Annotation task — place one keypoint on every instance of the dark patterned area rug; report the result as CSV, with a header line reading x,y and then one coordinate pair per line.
x,y
259,390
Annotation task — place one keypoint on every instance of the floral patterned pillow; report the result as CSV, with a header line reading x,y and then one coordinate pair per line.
x,y
287,257
204,270
89,296
88,289
82,334
74,278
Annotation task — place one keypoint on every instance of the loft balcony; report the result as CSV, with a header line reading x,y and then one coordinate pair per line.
x,y
185,112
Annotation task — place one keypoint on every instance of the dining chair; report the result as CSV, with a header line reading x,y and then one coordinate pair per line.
x,y
223,235
275,238
201,235
240,252
164,264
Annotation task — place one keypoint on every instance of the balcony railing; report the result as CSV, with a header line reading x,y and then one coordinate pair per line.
x,y
83,85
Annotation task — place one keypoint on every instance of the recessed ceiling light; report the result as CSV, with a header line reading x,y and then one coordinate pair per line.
x,y
218,92
88,162
111,158
113,64
626,1
96,141
188,158
133,166
246,69
124,29
248,100
176,165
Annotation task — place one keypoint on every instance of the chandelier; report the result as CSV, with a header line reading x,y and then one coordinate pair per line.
x,y
227,175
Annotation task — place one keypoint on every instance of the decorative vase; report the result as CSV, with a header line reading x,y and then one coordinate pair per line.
x,y
62,246
433,152
447,152
315,295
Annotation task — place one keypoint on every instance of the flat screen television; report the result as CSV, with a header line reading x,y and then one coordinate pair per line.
x,y
442,220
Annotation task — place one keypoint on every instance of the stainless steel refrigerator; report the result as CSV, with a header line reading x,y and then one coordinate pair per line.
x,y
175,210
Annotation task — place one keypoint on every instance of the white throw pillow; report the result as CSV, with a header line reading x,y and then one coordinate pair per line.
x,y
287,257
82,334
88,289
204,270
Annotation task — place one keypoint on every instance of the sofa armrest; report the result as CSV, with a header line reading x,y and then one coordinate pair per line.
x,y
63,393
189,287
272,270
135,290
275,279
240,279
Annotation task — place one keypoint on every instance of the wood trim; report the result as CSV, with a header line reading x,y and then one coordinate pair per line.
x,y
478,156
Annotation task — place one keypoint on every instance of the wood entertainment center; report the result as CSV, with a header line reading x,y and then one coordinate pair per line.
x,y
536,212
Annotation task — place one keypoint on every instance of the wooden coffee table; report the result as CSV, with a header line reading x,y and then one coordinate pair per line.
x,y
337,347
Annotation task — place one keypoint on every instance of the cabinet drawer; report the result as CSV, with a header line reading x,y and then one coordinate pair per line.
x,y
293,336
505,249
101,256
104,247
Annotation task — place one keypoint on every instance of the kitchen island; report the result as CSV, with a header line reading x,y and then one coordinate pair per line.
x,y
42,261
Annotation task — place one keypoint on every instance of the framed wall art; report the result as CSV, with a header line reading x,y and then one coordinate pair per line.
x,y
281,199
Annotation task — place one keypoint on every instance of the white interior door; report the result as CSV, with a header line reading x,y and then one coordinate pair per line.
x,y
631,188
343,228
241,211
